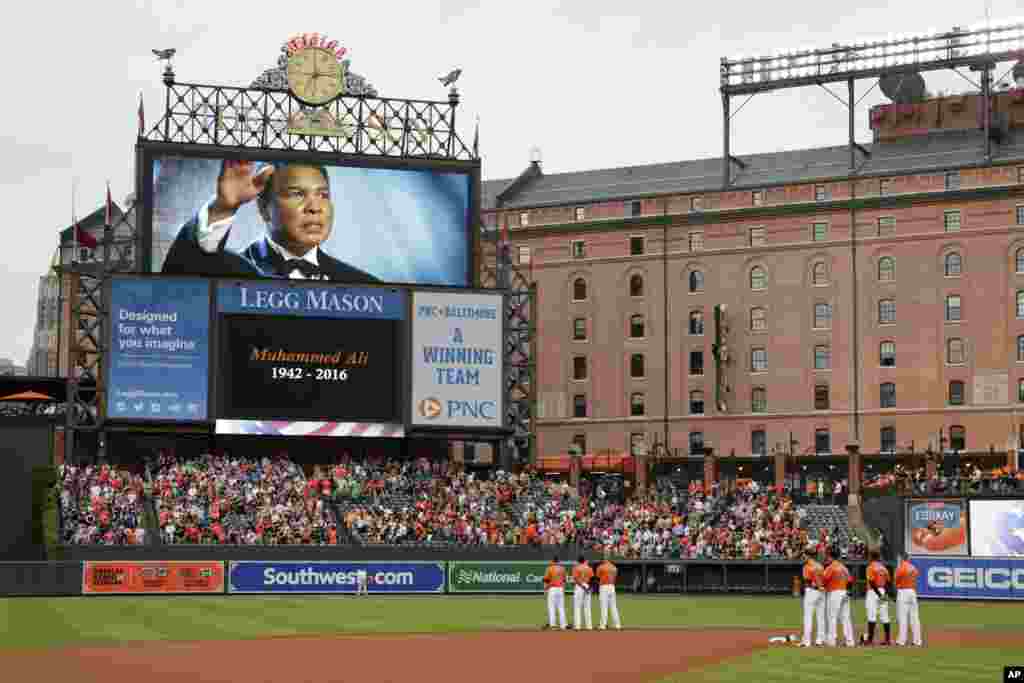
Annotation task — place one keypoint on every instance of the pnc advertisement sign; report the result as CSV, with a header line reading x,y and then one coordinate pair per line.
x,y
457,360
498,577
970,579
335,577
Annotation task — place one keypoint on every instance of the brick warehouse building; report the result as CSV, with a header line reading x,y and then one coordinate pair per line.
x,y
883,310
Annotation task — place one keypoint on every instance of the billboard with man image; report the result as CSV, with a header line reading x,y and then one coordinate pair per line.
x,y
937,527
296,217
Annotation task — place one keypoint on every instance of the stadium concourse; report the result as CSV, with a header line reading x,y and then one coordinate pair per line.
x,y
221,498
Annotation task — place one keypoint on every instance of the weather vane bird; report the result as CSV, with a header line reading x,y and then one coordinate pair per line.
x,y
451,77
165,54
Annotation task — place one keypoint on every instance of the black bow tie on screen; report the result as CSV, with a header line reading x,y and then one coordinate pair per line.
x,y
303,266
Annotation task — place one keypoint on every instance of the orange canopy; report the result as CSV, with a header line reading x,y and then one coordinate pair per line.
x,y
27,396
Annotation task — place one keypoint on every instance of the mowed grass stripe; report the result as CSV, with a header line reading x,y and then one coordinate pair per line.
x,y
48,622
876,665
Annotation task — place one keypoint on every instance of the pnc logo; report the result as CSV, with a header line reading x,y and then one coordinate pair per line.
x,y
430,408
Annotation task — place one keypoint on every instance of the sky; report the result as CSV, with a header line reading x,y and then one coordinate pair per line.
x,y
591,83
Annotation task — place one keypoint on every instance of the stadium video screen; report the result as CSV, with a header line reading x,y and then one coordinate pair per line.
x,y
277,368
221,217
997,528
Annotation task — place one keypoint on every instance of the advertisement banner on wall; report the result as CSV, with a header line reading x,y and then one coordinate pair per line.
x,y
936,527
159,349
335,577
139,578
970,578
457,360
498,577
997,528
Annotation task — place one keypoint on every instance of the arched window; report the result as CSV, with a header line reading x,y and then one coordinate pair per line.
x,y
1020,349
636,326
957,438
758,400
1020,304
819,273
696,402
886,269
951,266
636,366
696,322
758,278
886,311
696,281
887,395
955,354
579,289
887,354
636,285
758,319
1020,261
636,405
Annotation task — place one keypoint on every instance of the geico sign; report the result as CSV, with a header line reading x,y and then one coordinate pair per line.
x,y
995,578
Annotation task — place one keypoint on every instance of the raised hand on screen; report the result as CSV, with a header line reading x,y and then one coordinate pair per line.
x,y
238,185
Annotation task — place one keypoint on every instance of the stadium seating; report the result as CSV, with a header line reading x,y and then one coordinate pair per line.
x,y
224,499
101,506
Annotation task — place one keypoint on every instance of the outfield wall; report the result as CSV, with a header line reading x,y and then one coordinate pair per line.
x,y
412,576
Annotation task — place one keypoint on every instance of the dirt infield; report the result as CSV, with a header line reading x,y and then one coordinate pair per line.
x,y
640,655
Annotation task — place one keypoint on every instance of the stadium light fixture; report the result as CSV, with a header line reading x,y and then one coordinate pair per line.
x,y
926,51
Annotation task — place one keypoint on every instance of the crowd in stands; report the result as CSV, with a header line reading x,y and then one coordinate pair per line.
x,y
964,480
221,499
101,505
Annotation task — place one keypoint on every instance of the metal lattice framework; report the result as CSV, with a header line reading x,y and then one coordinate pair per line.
x,y
520,340
261,118
83,285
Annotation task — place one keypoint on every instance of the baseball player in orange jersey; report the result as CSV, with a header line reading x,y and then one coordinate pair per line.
x,y
876,602
554,585
906,601
837,579
606,573
814,598
581,577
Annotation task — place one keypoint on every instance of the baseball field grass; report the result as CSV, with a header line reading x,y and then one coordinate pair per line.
x,y
33,623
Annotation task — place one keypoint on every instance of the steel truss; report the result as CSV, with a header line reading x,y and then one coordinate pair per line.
x,y
520,342
83,287
978,49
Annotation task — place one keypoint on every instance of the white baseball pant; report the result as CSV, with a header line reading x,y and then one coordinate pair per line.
x,y
876,607
606,596
556,604
906,611
814,609
582,608
839,611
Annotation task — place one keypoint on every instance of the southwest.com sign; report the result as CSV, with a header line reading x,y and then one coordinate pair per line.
x,y
456,360
335,577
969,578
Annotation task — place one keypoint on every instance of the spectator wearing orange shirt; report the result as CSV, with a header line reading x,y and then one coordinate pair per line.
x,y
906,601
582,575
837,579
554,586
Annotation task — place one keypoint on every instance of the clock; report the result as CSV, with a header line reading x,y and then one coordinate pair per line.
x,y
315,76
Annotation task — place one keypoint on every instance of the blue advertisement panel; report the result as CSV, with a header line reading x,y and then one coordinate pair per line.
x,y
970,578
159,349
310,301
335,577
